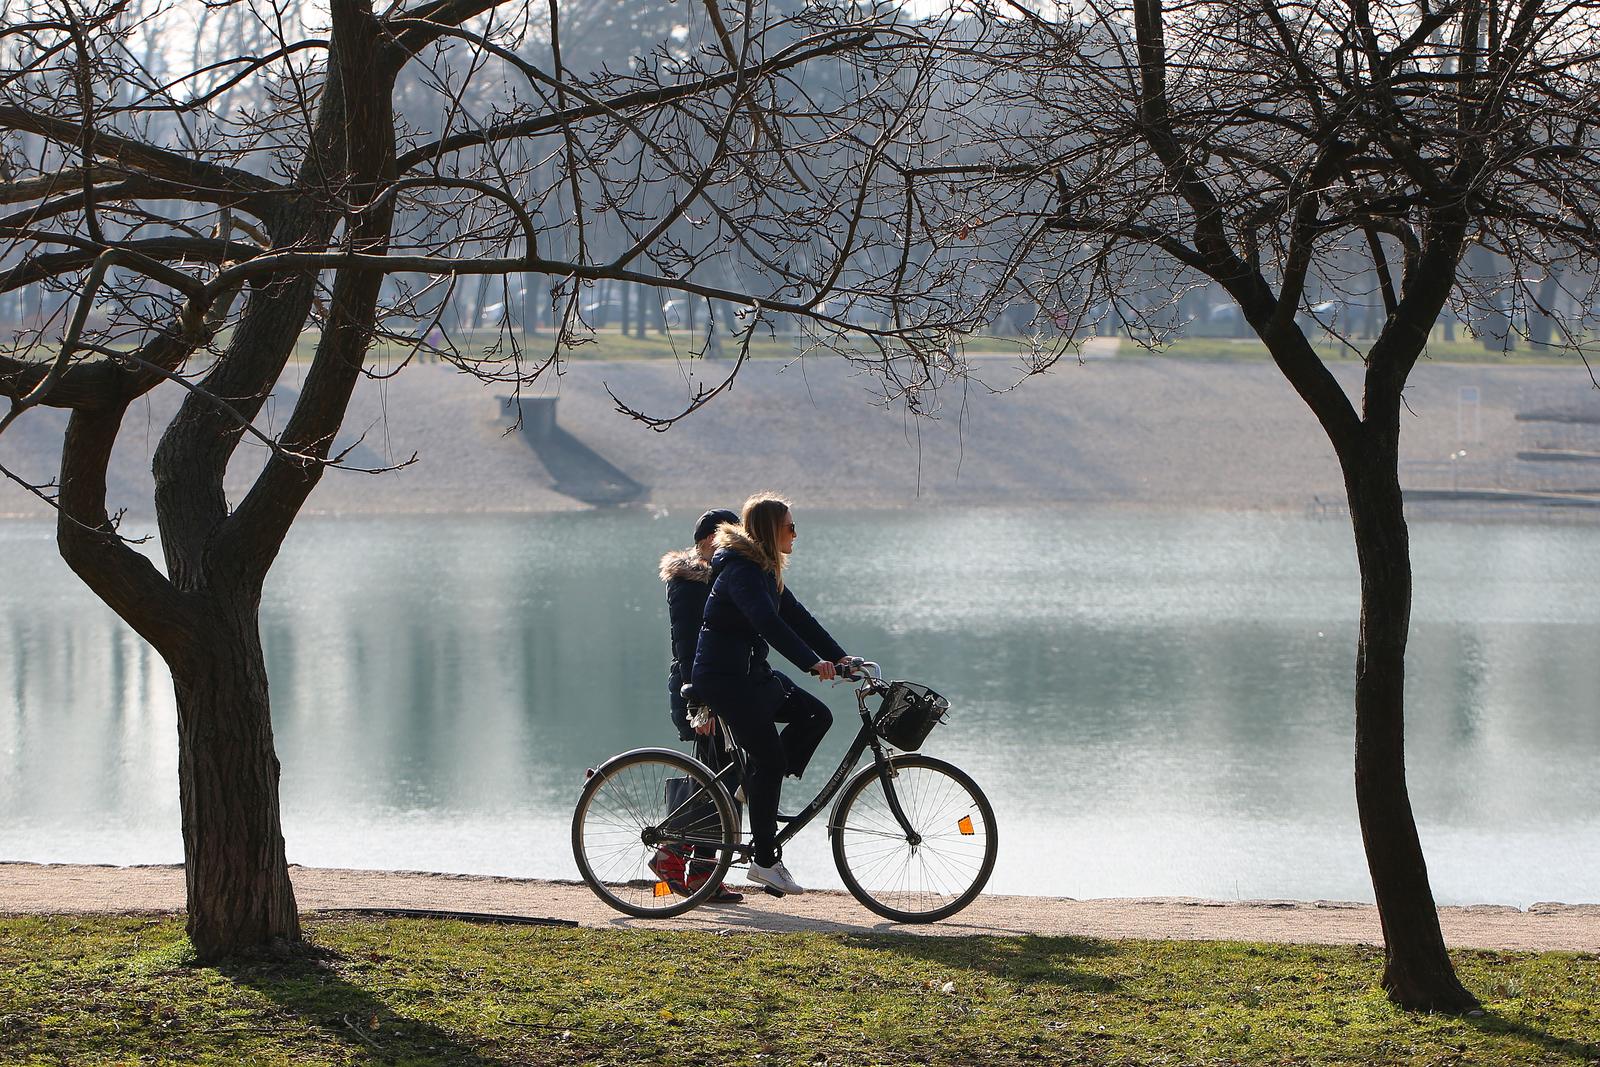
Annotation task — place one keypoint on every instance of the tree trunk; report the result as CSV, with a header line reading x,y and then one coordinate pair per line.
x,y
1417,971
235,868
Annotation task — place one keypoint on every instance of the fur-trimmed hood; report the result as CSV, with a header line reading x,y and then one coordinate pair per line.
x,y
731,538
685,565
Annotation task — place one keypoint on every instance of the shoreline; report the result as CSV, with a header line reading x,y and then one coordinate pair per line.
x,y
81,889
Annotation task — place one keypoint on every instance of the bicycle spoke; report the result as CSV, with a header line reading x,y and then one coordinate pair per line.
x,y
898,835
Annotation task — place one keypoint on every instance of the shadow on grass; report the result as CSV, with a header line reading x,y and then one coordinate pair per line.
x,y
306,984
1491,1023
1033,960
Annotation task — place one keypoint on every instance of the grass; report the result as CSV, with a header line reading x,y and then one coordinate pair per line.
x,y
535,346
680,345
1438,349
77,990
611,345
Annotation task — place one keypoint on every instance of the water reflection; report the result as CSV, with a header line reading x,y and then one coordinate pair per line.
x,y
1156,705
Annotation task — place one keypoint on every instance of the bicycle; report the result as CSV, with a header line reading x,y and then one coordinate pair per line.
x,y
913,836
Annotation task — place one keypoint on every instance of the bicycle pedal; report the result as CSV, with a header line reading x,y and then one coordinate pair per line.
x,y
767,889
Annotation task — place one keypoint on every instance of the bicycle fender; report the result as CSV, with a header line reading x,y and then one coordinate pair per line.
x,y
632,752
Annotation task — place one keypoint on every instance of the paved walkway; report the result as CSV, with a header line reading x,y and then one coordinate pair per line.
x,y
34,889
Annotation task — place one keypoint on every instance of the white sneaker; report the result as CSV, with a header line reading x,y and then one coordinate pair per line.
x,y
777,876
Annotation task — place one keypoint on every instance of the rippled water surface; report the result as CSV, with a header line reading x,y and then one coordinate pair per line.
x,y
1155,704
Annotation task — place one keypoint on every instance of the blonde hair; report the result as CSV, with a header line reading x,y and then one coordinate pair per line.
x,y
761,517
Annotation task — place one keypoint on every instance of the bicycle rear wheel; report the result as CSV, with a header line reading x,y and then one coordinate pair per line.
x,y
653,832
921,879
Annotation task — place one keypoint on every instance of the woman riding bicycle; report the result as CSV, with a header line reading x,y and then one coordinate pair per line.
x,y
748,610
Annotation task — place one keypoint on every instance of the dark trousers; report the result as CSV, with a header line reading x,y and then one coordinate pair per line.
x,y
773,754
712,750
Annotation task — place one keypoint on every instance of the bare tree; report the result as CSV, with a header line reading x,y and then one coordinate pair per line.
x,y
191,218
1298,156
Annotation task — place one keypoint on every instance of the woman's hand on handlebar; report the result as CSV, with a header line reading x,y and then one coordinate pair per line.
x,y
844,670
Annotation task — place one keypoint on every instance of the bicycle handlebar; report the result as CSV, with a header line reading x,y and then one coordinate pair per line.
x,y
856,669
861,670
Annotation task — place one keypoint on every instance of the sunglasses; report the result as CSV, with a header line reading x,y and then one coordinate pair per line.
x,y
789,526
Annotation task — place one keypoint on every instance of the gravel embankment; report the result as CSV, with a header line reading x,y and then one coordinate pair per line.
x,y
1135,430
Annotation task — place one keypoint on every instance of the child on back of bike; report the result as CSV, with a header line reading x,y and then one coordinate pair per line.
x,y
748,610
687,574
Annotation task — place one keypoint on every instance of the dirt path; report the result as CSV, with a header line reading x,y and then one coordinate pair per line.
x,y
33,889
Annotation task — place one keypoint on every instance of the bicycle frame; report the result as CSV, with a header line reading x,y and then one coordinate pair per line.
x,y
866,738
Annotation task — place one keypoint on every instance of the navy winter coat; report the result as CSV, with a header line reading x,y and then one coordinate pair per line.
x,y
688,580
744,616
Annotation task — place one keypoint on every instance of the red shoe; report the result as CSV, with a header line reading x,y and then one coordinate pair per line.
x,y
669,867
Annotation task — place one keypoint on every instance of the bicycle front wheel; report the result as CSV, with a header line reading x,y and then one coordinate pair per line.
x,y
931,873
653,833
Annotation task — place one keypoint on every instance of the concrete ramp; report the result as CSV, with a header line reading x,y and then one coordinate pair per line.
x,y
577,470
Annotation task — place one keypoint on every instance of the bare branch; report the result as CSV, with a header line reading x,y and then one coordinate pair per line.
x,y
134,154
565,118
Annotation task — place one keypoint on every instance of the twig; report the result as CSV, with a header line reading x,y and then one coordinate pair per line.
x,y
55,505
354,1029
272,444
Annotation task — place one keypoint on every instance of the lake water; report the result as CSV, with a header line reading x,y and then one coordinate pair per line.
x,y
1154,704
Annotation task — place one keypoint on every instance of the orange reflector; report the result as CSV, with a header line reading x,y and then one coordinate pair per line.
x,y
663,889
966,825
